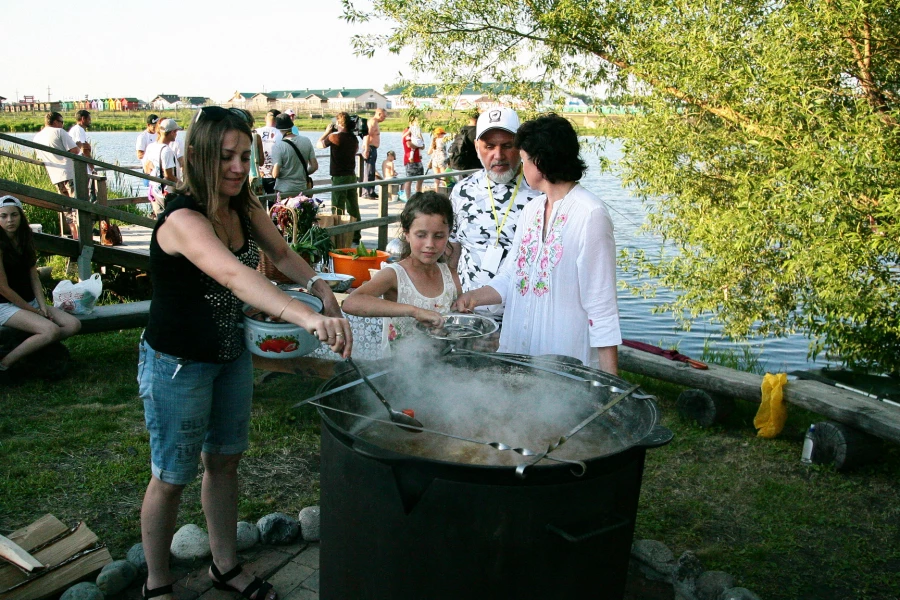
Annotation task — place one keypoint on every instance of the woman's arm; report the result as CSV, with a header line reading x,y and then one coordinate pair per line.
x,y
38,291
367,301
289,262
189,234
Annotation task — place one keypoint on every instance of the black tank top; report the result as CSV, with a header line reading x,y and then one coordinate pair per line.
x,y
18,275
191,315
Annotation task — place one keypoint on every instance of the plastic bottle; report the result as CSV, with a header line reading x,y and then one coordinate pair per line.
x,y
806,455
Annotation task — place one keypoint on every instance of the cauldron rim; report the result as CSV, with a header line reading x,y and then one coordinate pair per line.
x,y
657,435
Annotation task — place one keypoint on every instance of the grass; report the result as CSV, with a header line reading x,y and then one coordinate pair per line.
x,y
745,505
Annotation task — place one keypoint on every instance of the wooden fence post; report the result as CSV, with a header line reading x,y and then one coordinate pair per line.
x,y
383,198
85,222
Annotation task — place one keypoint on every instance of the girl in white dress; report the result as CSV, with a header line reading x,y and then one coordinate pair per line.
x,y
420,287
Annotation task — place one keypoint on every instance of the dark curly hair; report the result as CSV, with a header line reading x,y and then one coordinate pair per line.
x,y
424,203
552,144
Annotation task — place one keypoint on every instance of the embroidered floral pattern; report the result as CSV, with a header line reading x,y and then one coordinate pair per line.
x,y
535,261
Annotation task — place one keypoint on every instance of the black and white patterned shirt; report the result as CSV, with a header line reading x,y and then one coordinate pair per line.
x,y
475,228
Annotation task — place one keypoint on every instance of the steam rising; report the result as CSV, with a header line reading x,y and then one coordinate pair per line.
x,y
490,401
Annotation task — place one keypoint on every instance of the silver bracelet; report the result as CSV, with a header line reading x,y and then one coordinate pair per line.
x,y
312,281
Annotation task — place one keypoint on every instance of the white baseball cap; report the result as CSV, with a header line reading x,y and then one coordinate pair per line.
x,y
290,112
168,125
10,201
497,118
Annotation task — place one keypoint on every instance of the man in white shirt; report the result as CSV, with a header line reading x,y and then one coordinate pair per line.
x,y
269,136
60,169
161,161
487,203
78,131
146,137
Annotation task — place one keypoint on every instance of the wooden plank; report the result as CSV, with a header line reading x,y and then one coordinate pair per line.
x,y
15,554
62,578
113,317
32,200
54,554
44,529
120,201
116,255
874,417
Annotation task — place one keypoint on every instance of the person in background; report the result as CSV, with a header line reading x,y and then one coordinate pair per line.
x,y
438,153
420,287
270,136
387,166
22,302
161,160
487,203
195,374
412,154
463,154
559,280
290,112
256,158
60,169
370,145
146,137
78,131
343,146
287,167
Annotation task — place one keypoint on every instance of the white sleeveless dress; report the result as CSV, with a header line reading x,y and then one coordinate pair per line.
x,y
396,328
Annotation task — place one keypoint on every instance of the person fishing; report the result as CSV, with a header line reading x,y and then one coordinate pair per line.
x,y
195,374
22,302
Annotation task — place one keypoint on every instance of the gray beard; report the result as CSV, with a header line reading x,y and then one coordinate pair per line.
x,y
504,177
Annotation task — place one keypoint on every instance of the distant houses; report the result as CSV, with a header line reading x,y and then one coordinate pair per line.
x,y
29,104
311,100
173,102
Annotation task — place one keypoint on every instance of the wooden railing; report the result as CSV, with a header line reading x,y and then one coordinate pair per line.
x,y
85,251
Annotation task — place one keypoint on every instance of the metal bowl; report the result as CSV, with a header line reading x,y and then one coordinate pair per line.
x,y
460,327
338,281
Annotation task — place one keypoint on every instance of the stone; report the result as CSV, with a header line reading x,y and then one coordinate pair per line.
x,y
190,543
738,593
684,575
711,584
136,557
655,560
278,528
116,576
247,535
309,523
83,591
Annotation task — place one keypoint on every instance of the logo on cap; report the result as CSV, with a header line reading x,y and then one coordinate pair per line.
x,y
494,116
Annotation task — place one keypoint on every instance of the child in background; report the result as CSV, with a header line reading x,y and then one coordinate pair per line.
x,y
22,302
420,287
388,171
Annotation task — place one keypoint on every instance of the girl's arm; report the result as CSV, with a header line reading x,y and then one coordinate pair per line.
x,y
38,290
190,234
10,294
367,301
288,261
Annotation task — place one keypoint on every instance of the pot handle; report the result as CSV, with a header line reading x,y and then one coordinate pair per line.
x,y
658,436
606,527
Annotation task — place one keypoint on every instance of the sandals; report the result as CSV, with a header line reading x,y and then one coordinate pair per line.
x,y
258,587
160,591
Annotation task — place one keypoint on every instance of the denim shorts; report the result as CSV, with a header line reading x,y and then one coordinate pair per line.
x,y
8,309
192,406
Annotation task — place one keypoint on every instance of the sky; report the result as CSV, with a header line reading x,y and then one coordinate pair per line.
x,y
208,48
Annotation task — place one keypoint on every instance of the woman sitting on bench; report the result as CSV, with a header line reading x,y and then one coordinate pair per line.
x,y
22,303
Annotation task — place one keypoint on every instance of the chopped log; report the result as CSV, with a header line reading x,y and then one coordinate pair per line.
x,y
69,554
843,446
13,553
705,409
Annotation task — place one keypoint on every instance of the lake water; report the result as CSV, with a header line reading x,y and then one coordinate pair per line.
x,y
637,320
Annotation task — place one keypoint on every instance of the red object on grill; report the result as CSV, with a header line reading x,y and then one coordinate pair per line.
x,y
409,413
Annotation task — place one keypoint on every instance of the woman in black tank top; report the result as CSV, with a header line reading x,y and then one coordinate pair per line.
x,y
195,374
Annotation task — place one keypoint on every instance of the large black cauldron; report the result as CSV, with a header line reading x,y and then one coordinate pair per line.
x,y
399,526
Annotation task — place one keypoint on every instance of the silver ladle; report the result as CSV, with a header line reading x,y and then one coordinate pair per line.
x,y
402,420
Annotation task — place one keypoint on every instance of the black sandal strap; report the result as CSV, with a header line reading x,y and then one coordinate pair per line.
x,y
264,588
226,577
160,591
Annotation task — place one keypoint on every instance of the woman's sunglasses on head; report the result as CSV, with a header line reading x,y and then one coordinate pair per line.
x,y
217,113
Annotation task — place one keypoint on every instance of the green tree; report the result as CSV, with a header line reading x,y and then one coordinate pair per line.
x,y
767,143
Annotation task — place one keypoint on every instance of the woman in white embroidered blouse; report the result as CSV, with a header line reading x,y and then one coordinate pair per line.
x,y
559,280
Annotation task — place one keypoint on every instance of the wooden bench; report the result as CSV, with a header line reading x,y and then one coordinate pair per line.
x,y
109,317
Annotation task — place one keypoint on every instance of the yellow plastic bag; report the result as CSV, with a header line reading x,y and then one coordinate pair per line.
x,y
772,413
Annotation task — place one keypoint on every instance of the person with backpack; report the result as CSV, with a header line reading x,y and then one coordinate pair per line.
x,y
293,159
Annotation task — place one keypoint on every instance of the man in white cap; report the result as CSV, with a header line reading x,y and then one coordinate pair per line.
x,y
161,160
290,112
486,204
146,137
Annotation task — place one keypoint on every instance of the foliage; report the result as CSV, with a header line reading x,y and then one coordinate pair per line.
x,y
315,242
359,252
767,143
